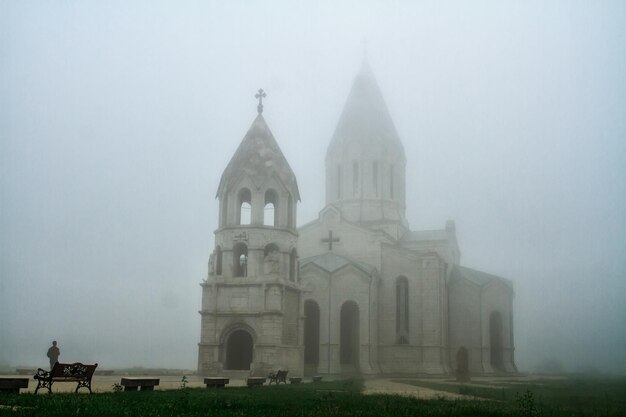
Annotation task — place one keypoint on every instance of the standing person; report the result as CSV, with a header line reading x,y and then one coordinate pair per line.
x,y
53,354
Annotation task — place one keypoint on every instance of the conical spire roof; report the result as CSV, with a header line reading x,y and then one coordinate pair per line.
x,y
259,156
365,118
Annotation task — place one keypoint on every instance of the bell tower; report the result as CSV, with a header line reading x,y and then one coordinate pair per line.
x,y
250,317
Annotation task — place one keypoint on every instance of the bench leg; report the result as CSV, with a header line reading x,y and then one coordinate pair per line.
x,y
86,384
42,383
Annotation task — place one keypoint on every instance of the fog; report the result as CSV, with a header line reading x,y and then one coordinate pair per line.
x,y
118,118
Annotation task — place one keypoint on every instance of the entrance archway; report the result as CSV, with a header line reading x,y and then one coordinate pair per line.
x,y
311,333
349,335
239,350
462,364
495,341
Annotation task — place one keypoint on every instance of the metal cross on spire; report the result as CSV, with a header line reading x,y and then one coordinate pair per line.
x,y
260,95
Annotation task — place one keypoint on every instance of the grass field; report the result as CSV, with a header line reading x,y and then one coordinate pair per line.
x,y
572,397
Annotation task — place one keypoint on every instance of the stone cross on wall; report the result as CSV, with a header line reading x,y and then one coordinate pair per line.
x,y
330,240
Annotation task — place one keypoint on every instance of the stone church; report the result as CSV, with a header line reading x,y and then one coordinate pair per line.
x,y
354,291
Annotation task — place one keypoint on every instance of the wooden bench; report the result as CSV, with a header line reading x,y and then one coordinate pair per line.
x,y
278,377
216,382
317,378
13,385
66,372
133,384
255,381
295,380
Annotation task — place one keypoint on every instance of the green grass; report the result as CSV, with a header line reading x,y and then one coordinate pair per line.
x,y
575,395
342,398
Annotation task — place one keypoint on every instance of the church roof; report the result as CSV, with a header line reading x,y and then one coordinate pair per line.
x,y
421,235
365,118
332,262
259,156
477,277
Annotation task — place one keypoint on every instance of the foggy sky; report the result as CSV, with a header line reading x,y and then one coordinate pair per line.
x,y
118,118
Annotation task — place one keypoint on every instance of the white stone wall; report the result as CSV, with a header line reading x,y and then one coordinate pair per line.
x,y
465,323
330,292
497,296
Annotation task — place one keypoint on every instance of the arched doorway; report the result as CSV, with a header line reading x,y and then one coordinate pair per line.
x,y
462,364
239,350
349,336
495,341
311,335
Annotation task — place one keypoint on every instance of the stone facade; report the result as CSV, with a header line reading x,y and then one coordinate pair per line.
x,y
251,318
354,291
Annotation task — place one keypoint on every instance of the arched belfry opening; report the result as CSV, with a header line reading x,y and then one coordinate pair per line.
x,y
495,341
349,336
311,335
270,209
240,260
269,248
239,348
244,199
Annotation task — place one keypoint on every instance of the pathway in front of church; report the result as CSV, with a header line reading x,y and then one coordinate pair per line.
x,y
387,386
105,383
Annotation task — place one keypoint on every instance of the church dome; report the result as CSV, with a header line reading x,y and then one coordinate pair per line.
x,y
365,161
259,157
365,120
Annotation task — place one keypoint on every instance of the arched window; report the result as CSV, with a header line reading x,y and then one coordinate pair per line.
x,y
349,335
402,311
311,333
240,260
270,209
269,248
293,258
218,260
495,341
245,206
